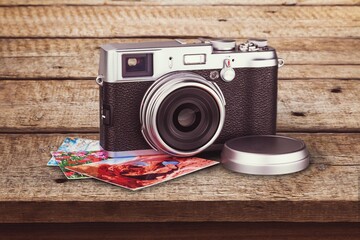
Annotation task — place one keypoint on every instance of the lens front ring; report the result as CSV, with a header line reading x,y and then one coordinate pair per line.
x,y
156,94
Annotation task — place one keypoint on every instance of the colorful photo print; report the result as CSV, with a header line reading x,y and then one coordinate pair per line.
x,y
67,159
75,144
142,171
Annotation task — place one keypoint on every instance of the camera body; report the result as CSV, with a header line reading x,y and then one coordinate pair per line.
x,y
182,99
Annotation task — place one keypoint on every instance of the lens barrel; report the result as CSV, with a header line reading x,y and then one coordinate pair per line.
x,y
182,114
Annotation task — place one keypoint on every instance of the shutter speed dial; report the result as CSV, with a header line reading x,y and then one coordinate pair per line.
x,y
227,73
223,44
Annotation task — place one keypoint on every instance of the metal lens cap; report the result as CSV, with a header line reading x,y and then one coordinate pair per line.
x,y
223,44
265,155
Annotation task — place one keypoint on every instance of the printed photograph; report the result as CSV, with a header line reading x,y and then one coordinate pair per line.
x,y
142,171
72,144
66,159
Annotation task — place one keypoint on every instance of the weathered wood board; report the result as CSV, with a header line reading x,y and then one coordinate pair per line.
x,y
180,2
29,185
202,230
211,21
79,58
54,106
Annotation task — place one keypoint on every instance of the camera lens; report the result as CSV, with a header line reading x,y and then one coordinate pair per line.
x,y
182,114
187,117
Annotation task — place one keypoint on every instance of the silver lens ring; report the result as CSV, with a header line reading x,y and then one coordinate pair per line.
x,y
155,96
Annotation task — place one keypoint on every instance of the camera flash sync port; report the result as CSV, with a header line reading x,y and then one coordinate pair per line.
x,y
214,75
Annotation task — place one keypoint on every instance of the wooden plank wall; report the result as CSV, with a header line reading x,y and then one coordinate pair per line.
x,y
49,55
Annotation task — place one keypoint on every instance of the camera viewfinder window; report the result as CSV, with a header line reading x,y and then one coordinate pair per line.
x,y
137,65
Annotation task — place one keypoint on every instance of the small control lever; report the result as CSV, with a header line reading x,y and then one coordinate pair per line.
x,y
227,73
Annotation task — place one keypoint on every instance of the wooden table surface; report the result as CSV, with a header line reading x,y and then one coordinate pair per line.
x,y
49,60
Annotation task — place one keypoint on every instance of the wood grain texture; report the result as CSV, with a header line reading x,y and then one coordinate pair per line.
x,y
191,230
317,51
72,106
79,58
333,149
49,52
86,68
179,2
214,21
213,194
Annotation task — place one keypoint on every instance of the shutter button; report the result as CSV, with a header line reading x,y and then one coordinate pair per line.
x,y
227,73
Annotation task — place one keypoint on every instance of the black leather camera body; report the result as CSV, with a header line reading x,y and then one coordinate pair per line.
x,y
182,99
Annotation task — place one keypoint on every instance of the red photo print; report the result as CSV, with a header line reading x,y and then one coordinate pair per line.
x,y
138,172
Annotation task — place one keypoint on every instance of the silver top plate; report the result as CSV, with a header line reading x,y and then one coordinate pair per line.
x,y
172,56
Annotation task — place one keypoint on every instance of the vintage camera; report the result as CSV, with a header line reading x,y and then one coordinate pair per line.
x,y
181,99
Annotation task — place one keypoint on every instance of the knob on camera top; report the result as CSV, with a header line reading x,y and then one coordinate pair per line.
x,y
230,44
223,44
259,42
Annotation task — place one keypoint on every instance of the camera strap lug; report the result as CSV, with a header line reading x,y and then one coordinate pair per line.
x,y
281,62
99,80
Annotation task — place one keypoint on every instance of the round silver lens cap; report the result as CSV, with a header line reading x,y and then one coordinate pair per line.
x,y
265,155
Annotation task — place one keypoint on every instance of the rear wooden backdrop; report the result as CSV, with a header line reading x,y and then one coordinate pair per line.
x,y
49,55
